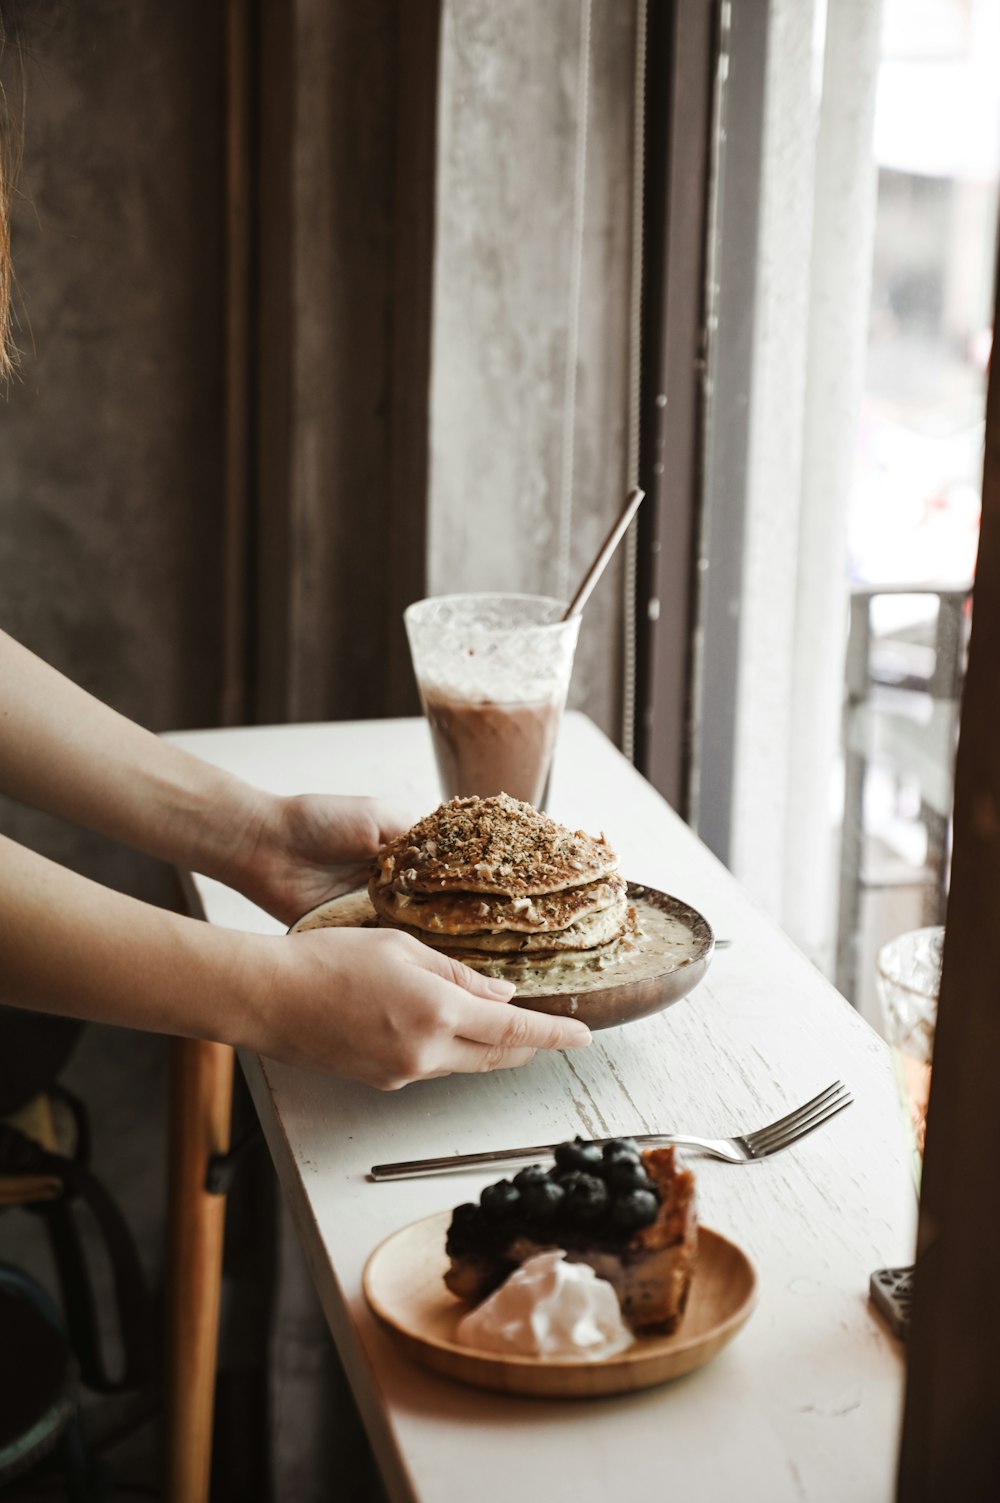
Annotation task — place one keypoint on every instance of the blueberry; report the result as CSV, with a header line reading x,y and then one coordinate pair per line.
x,y
501,1200
568,1177
578,1155
543,1200
626,1174
465,1214
587,1200
535,1174
634,1209
467,1230
621,1148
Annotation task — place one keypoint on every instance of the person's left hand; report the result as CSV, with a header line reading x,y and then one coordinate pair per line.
x,y
307,849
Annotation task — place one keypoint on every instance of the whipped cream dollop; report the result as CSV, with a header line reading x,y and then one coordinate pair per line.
x,y
551,1309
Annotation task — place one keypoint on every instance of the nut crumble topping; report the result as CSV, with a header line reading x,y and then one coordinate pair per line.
x,y
493,845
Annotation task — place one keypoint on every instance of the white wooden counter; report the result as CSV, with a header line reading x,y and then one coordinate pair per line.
x,y
805,1402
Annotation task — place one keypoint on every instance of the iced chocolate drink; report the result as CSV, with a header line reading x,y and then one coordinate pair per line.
x,y
493,673
491,748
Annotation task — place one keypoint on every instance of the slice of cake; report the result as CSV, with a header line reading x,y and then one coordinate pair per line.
x,y
629,1215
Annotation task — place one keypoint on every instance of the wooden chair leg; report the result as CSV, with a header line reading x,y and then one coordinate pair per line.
x,y
201,1101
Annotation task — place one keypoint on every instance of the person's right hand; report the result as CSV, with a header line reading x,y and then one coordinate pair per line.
x,y
381,1007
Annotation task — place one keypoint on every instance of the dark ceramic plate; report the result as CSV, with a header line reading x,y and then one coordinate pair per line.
x,y
669,959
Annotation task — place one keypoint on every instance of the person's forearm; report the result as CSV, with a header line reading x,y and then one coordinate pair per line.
x,y
70,946
375,1005
65,752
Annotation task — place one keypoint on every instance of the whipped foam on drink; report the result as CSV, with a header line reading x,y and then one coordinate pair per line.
x,y
551,1309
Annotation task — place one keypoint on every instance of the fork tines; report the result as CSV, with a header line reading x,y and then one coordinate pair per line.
x,y
799,1122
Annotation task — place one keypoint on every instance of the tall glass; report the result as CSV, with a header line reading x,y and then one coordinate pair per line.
x,y
493,673
908,980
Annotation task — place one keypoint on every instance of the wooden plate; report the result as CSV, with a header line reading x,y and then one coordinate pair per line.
x,y
669,960
403,1285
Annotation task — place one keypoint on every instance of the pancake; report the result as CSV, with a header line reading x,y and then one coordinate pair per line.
x,y
593,930
492,845
502,887
474,914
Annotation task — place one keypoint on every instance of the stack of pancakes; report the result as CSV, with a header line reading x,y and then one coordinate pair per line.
x,y
494,881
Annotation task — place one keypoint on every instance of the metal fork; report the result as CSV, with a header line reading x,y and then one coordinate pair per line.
x,y
749,1148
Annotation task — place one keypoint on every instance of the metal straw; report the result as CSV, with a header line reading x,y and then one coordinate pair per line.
x,y
603,558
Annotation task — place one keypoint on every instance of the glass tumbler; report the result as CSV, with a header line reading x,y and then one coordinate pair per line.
x,y
493,673
908,979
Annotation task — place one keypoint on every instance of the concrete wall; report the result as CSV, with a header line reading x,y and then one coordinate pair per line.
x,y
510,117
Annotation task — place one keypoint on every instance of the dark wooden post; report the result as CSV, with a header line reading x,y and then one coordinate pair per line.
x,y
201,1097
680,62
951,1429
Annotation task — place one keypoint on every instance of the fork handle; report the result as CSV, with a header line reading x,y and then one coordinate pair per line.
x,y
454,1162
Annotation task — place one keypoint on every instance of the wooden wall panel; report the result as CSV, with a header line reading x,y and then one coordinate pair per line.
x,y
110,442
344,223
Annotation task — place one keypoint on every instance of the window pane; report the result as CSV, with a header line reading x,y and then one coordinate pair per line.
x,y
845,405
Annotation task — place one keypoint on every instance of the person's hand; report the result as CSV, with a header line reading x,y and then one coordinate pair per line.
x,y
379,1006
301,851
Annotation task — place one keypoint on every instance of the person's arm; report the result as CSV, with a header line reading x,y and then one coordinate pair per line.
x,y
372,1004
64,751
